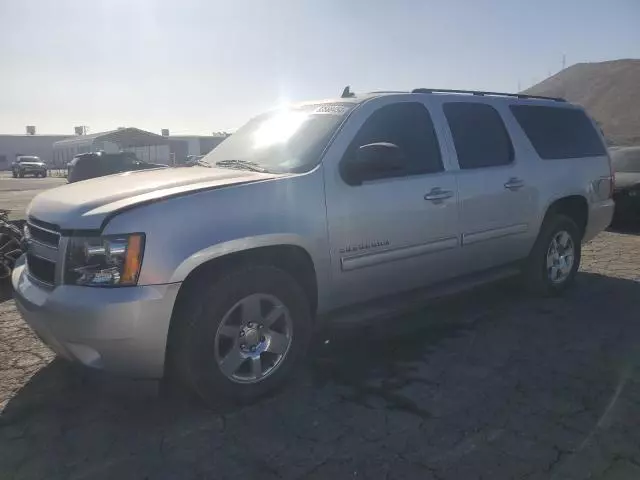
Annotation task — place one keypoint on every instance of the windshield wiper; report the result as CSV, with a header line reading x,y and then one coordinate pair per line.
x,y
241,165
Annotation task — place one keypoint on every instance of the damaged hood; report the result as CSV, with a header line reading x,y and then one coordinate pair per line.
x,y
85,204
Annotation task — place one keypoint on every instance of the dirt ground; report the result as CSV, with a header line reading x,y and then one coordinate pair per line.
x,y
492,385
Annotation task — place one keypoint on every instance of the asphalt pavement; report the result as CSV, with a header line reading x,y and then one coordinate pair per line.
x,y
16,193
492,385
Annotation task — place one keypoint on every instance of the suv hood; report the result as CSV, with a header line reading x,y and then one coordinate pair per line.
x,y
86,204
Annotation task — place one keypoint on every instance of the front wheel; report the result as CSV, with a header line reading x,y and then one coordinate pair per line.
x,y
555,258
241,337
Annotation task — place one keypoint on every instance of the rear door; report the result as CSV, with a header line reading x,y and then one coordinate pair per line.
x,y
399,231
497,197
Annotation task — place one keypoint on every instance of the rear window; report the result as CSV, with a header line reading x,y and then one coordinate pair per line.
x,y
479,135
558,133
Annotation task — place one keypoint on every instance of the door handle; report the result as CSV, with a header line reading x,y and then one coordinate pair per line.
x,y
514,184
437,195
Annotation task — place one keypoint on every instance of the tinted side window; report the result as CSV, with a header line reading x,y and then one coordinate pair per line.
x,y
479,135
409,126
557,132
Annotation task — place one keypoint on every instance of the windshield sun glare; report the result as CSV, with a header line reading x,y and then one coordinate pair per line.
x,y
279,128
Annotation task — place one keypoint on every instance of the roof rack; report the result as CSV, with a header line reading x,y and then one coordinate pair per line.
x,y
480,93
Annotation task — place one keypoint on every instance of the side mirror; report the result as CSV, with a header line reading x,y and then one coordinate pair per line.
x,y
374,160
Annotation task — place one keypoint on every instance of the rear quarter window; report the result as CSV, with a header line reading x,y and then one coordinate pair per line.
x,y
559,132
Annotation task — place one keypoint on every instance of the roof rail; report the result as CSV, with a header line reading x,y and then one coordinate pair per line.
x,y
480,93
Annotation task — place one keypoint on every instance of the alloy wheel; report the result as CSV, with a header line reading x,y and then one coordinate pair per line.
x,y
560,257
253,338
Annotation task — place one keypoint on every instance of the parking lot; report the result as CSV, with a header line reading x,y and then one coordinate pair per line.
x,y
16,193
494,385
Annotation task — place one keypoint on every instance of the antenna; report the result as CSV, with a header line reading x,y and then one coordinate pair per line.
x,y
347,93
564,61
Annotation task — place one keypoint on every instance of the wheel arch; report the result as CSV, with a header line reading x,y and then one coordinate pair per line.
x,y
575,207
290,256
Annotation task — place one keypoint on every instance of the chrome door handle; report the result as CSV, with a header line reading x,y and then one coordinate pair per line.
x,y
514,183
437,195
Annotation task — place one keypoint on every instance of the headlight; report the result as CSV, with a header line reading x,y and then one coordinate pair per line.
x,y
113,260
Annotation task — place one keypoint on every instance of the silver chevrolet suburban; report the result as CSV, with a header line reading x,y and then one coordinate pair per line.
x,y
358,206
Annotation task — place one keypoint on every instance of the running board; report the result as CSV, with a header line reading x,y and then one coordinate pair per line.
x,y
394,305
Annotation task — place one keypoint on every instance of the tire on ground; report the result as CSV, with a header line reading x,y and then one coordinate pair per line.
x,y
191,358
535,275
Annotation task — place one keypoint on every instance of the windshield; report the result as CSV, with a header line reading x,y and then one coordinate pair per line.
x,y
28,159
626,160
285,140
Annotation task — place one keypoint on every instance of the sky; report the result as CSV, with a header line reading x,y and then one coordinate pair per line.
x,y
199,66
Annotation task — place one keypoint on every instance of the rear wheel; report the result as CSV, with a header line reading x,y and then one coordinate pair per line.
x,y
240,337
15,174
555,258
21,174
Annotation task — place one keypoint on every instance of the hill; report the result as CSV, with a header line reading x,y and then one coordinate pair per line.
x,y
610,92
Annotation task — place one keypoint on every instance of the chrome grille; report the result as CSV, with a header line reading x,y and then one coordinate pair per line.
x,y
43,241
40,234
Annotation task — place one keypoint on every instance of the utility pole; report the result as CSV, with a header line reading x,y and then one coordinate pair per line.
x,y
564,61
519,89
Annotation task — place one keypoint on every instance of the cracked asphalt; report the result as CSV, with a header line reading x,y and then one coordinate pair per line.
x,y
492,384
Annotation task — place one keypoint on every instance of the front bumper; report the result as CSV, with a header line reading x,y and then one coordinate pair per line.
x,y
120,330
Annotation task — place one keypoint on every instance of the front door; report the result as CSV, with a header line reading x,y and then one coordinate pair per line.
x,y
397,231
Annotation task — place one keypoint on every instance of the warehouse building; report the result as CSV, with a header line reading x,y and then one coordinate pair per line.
x,y
58,150
41,146
147,146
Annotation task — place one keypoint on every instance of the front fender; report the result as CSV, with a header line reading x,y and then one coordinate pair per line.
x,y
235,246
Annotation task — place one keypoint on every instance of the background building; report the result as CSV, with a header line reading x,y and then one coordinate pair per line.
x,y
39,145
58,150
147,146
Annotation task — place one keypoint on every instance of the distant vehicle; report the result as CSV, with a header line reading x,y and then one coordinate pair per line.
x,y
192,160
28,165
335,210
626,165
91,165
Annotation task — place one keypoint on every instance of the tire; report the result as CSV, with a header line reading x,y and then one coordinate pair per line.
x,y
10,249
15,175
44,174
21,174
196,345
537,276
